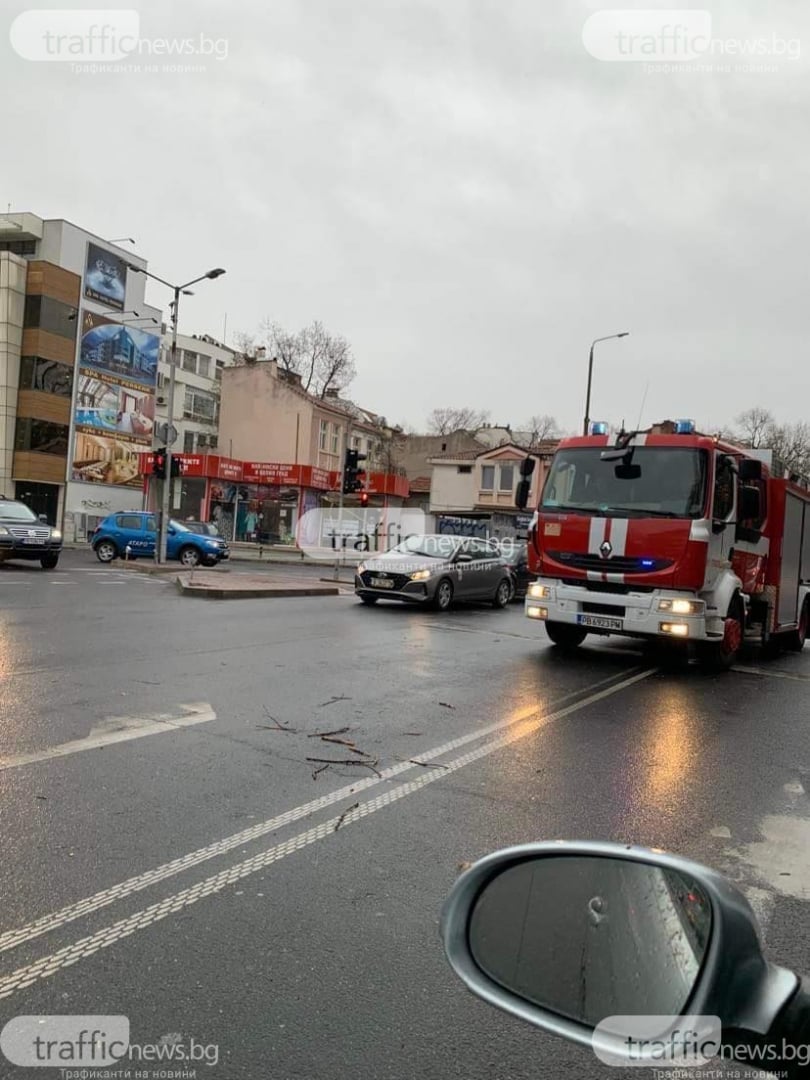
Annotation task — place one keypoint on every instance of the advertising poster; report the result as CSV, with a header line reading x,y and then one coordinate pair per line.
x,y
115,401
105,277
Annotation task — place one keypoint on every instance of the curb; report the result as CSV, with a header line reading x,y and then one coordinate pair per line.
x,y
208,592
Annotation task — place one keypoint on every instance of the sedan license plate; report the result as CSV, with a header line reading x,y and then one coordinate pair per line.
x,y
382,583
599,622
32,540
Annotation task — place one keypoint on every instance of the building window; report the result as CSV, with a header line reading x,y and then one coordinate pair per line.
x,y
335,438
19,247
218,369
199,405
356,442
487,477
465,469
204,367
45,313
41,437
189,361
45,375
507,477
188,442
324,439
161,380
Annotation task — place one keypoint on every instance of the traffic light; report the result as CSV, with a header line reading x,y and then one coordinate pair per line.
x,y
159,464
353,476
177,466
364,498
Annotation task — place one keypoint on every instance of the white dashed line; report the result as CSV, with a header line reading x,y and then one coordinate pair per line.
x,y
11,938
49,965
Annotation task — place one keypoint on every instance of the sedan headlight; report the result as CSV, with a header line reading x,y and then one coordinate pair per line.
x,y
4,531
681,606
420,575
56,534
539,592
361,569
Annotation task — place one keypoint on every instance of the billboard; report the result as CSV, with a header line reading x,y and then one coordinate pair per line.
x,y
105,277
115,401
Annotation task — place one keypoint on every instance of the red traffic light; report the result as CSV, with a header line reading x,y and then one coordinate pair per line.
x,y
364,498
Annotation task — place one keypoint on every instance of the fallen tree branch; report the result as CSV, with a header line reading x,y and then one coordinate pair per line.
x,y
344,815
276,725
323,768
428,764
346,761
323,734
332,700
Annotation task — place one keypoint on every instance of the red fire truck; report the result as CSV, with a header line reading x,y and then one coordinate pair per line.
x,y
672,535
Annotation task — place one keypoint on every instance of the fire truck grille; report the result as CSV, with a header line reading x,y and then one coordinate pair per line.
x,y
619,564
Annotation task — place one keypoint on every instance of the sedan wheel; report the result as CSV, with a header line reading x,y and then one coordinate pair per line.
x,y
106,551
503,594
189,556
444,595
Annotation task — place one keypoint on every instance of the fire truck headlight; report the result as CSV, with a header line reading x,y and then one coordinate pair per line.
x,y
537,591
535,612
676,629
681,606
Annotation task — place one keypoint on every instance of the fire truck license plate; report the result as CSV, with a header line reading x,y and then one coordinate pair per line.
x,y
599,622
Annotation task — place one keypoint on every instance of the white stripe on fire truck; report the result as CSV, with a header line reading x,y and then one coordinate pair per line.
x,y
596,534
638,440
618,535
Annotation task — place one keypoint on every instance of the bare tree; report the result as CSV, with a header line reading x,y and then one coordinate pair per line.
x,y
323,360
542,428
445,421
754,425
791,446
244,345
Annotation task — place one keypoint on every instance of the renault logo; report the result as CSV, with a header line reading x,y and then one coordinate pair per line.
x,y
606,549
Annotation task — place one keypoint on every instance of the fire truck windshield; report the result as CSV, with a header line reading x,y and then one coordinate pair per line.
x,y
663,481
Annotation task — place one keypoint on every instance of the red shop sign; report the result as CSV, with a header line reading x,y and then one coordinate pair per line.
x,y
271,472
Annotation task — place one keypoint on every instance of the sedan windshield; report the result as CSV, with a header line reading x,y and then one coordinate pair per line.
x,y
431,547
14,511
654,482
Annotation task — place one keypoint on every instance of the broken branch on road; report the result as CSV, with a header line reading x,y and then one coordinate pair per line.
x,y
346,761
323,734
428,764
344,815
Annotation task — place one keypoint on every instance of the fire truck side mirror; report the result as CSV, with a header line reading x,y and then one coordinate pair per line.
x,y
750,470
527,467
522,494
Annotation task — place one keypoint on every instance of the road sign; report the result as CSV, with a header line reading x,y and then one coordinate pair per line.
x,y
166,433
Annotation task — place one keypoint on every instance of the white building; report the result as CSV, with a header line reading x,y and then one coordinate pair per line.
x,y
78,359
198,378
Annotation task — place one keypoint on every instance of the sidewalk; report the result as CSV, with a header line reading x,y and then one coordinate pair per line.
x,y
241,552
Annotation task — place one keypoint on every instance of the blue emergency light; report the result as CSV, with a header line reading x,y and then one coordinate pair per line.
x,y
684,427
600,427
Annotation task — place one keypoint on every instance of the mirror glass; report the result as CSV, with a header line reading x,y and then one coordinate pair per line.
x,y
589,937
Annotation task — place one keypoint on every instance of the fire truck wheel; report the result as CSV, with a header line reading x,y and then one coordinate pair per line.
x,y
565,636
797,638
721,655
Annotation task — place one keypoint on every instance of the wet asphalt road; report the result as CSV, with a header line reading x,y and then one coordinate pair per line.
x,y
192,879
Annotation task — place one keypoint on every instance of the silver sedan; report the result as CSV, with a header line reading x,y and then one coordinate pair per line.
x,y
436,570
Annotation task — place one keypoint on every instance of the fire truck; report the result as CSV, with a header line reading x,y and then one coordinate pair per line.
x,y
669,535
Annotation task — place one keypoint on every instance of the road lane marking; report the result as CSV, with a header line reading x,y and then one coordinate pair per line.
x,y
771,674
116,729
11,938
108,935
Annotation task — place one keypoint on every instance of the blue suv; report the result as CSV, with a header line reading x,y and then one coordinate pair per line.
x,y
137,531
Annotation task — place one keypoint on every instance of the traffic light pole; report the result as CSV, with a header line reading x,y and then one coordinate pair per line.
x,y
344,438
166,501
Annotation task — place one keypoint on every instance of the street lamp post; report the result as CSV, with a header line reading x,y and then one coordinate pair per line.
x,y
608,337
165,508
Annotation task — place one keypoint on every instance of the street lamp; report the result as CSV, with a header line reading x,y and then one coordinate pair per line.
x,y
167,483
608,337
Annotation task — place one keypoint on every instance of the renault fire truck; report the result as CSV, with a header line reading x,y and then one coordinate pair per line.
x,y
672,535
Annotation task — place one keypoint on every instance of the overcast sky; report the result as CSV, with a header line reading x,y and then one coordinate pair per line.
x,y
459,189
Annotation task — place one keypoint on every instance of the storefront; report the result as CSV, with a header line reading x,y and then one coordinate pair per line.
x,y
262,501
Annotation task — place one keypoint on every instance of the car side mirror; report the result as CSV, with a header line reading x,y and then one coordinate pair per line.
x,y
750,508
43,518
171,531
614,947
522,492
